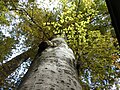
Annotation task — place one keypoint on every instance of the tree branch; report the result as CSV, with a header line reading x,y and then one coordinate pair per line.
x,y
7,68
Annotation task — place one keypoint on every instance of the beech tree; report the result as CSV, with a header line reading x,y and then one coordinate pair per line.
x,y
86,27
53,69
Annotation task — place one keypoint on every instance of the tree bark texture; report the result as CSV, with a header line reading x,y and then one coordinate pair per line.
x,y
54,69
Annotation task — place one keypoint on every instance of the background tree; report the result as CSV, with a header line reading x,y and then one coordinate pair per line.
x,y
86,25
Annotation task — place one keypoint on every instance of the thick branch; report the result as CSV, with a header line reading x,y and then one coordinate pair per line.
x,y
7,68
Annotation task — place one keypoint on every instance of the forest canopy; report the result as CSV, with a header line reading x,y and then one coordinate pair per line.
x,y
85,24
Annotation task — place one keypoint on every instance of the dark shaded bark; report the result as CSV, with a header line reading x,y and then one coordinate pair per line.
x,y
53,70
114,10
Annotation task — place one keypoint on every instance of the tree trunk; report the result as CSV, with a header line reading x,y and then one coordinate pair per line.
x,y
54,69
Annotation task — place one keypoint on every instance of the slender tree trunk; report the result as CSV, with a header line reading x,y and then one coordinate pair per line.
x,y
54,69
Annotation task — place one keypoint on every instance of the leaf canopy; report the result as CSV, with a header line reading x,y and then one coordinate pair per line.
x,y
85,24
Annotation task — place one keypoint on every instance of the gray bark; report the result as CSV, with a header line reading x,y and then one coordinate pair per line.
x,y
53,70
